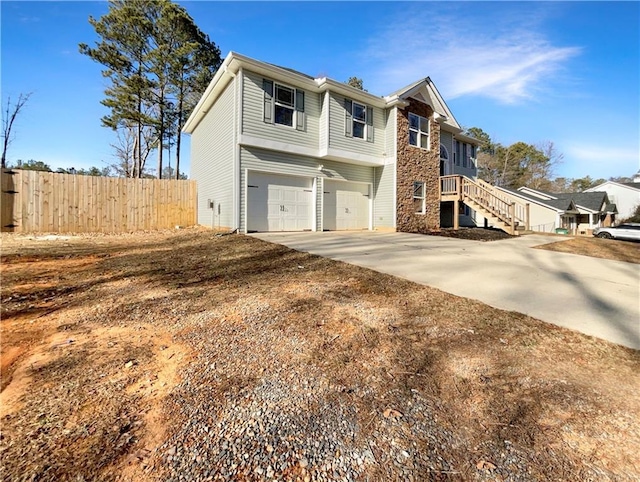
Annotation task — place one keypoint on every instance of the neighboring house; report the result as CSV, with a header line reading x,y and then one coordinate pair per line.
x,y
625,195
579,212
276,150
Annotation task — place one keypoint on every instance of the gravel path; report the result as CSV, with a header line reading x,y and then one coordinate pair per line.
x,y
287,421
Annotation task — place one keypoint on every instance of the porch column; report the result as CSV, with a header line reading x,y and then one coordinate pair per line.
x,y
456,214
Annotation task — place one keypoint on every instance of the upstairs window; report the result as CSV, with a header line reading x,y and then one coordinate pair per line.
x,y
358,120
418,131
418,197
283,105
465,155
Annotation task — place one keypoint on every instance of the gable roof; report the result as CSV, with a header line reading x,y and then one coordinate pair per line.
x,y
628,185
426,91
561,205
593,201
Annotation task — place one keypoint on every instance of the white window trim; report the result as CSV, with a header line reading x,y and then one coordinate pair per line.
x,y
354,120
294,118
420,132
422,198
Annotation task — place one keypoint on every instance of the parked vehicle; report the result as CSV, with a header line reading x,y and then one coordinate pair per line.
x,y
629,231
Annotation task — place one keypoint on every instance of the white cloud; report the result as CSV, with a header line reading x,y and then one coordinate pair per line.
x,y
465,57
600,161
598,153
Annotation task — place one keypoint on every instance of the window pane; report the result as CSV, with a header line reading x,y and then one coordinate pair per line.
x,y
284,95
424,124
358,129
443,153
413,138
414,121
359,112
418,189
284,116
424,141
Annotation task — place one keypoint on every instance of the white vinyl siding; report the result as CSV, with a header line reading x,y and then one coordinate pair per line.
x,y
383,201
212,162
339,140
253,123
262,160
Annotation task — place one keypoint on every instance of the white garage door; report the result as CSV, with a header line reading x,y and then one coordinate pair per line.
x,y
345,206
279,203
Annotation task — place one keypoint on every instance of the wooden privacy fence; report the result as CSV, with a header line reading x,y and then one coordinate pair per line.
x,y
36,201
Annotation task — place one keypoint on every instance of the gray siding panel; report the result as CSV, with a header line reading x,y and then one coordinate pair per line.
x,y
338,139
253,116
446,139
390,133
292,165
323,132
212,161
383,204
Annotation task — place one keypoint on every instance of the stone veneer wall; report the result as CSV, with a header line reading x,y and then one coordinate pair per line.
x,y
416,164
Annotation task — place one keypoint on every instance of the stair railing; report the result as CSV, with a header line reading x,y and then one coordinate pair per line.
x,y
488,198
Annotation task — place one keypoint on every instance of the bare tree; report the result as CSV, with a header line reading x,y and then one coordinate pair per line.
x,y
126,150
8,118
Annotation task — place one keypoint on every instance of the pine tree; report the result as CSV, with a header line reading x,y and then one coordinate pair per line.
x,y
158,62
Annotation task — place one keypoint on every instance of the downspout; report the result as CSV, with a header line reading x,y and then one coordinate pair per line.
x,y
236,171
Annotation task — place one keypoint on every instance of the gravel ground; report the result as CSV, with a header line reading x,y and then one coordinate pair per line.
x,y
298,368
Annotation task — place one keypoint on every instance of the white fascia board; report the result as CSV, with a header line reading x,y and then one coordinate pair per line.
x,y
462,137
610,183
211,93
529,200
451,118
325,84
534,192
395,101
340,155
331,154
274,72
251,141
587,210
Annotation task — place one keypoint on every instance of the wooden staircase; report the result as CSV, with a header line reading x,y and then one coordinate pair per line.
x,y
501,211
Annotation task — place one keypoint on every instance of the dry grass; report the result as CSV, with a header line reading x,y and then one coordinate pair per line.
x,y
488,377
598,248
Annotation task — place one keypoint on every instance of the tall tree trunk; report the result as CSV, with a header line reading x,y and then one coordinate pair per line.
x,y
160,139
179,137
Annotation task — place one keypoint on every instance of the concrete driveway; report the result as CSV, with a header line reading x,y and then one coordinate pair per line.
x,y
594,296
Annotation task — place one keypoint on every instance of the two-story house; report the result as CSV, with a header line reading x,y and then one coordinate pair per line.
x,y
276,150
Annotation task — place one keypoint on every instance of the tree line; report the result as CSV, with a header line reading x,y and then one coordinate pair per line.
x,y
521,164
113,170
158,64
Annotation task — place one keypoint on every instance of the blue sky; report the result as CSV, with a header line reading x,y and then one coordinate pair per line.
x,y
566,72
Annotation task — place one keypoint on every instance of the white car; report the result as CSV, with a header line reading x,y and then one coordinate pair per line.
x,y
628,231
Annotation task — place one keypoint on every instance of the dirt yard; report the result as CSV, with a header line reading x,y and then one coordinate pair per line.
x,y
186,355
628,251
